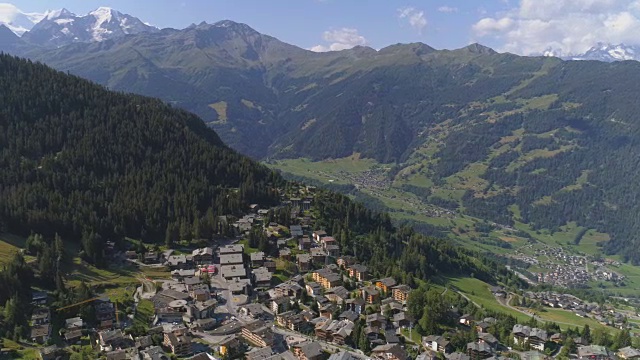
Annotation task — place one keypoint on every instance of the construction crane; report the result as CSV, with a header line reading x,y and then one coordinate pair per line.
x,y
79,303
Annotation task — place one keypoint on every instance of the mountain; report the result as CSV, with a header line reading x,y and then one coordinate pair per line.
x,y
500,137
64,27
610,53
8,40
18,21
93,165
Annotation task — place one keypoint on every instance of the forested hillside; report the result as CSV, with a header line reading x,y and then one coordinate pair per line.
x,y
95,165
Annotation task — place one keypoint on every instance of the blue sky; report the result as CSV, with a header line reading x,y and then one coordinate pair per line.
x,y
519,26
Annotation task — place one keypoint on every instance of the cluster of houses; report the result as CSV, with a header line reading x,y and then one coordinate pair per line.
x,y
605,315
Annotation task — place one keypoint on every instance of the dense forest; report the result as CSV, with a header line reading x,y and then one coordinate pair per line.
x,y
94,165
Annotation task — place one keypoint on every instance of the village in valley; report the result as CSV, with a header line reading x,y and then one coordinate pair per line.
x,y
292,294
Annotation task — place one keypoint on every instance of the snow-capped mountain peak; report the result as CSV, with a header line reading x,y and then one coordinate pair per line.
x,y
610,53
17,20
63,27
55,14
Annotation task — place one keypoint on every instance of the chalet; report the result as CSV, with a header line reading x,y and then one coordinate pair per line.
x,y
390,337
279,305
328,240
594,352
389,352
488,339
143,342
262,277
332,250
359,272
336,331
479,351
437,344
231,249
318,235
391,308
337,294
228,343
318,256
203,324
296,231
458,356
313,289
349,315
116,355
370,294
285,254
153,353
628,353
258,334
131,254
401,293
385,284
40,316
326,278
308,350
466,320
289,288
402,320
178,343
40,333
356,305
231,259
179,262
534,337
151,257
39,297
254,311
482,326
376,320
257,259
342,355
270,265
345,261
232,272
181,274
304,243
261,353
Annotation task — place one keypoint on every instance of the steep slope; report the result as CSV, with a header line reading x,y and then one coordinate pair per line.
x,y
63,27
95,165
17,20
8,40
610,53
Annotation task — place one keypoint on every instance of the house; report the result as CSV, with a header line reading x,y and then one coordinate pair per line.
x,y
534,355
313,289
359,272
437,343
143,342
178,343
370,294
72,337
233,272
337,294
482,327
534,337
332,250
326,278
40,316
179,262
231,249
458,356
356,305
228,343
479,351
109,339
345,261
327,240
336,331
257,333
153,353
389,352
342,355
628,353
116,355
304,262
288,288
151,257
318,256
257,259
285,254
181,274
349,315
308,350
401,293
318,235
402,320
466,320
262,277
488,339
262,353
279,305
376,320
594,352
385,284
39,297
254,311
203,324
304,243
296,231
270,265
48,353
390,337
40,333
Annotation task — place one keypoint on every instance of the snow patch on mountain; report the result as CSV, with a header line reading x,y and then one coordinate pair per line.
x,y
17,20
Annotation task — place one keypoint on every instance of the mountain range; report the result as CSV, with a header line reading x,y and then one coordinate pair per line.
x,y
502,137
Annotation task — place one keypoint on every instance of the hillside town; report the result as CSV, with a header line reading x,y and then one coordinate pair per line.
x,y
300,299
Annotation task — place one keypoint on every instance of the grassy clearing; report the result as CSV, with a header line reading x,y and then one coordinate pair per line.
x,y
248,249
221,109
144,314
9,246
21,351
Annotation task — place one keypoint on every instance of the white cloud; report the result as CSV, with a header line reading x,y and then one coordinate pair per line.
x,y
340,39
415,17
564,26
447,9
